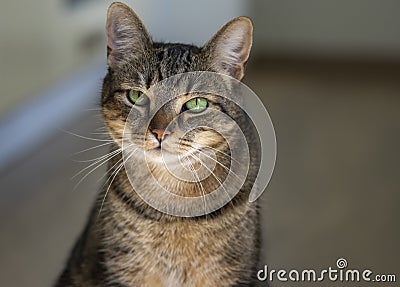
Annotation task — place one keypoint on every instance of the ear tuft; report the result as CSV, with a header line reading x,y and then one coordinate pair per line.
x,y
229,49
126,34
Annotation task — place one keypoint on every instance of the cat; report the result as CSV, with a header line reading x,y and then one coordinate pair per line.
x,y
126,241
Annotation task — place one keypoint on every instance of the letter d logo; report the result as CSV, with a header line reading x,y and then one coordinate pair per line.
x,y
262,274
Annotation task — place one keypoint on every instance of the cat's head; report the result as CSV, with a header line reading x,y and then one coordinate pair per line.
x,y
136,63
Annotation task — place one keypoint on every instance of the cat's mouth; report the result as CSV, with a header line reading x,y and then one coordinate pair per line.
x,y
161,155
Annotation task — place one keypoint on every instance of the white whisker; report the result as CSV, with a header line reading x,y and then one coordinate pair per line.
x,y
217,150
87,138
202,188
219,163
110,169
216,177
110,156
114,174
99,160
94,147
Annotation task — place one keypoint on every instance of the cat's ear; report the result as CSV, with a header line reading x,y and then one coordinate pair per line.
x,y
229,49
126,34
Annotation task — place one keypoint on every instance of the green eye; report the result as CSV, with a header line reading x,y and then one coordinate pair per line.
x,y
196,105
137,98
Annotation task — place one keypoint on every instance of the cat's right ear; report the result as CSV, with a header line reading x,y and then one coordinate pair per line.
x,y
126,34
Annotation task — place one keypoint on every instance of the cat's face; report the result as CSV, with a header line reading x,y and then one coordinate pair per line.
x,y
136,64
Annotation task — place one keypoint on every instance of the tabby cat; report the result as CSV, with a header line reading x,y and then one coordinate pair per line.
x,y
127,242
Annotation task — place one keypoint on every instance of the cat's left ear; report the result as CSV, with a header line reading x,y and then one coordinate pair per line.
x,y
229,49
126,34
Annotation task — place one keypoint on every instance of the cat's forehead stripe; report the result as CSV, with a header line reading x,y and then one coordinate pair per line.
x,y
172,59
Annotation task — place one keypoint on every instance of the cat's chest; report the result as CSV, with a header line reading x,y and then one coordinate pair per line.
x,y
172,256
183,256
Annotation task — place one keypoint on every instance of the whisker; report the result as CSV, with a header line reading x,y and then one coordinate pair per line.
x,y
110,169
96,167
91,148
91,160
93,109
102,128
206,146
202,188
217,150
87,138
119,161
115,174
219,163
94,147
216,177
107,133
99,160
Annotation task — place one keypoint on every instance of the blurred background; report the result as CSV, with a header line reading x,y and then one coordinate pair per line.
x,y
327,71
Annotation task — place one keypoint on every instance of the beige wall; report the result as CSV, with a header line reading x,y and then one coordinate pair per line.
x,y
42,41
366,28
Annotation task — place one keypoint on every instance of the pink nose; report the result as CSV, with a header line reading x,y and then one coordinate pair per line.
x,y
160,134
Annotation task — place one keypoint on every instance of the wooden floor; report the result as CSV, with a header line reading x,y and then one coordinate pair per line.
x,y
334,192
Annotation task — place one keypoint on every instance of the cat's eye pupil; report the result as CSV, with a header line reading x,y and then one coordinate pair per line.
x,y
137,98
196,105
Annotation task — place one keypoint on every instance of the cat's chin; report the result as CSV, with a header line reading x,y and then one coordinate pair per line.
x,y
155,155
